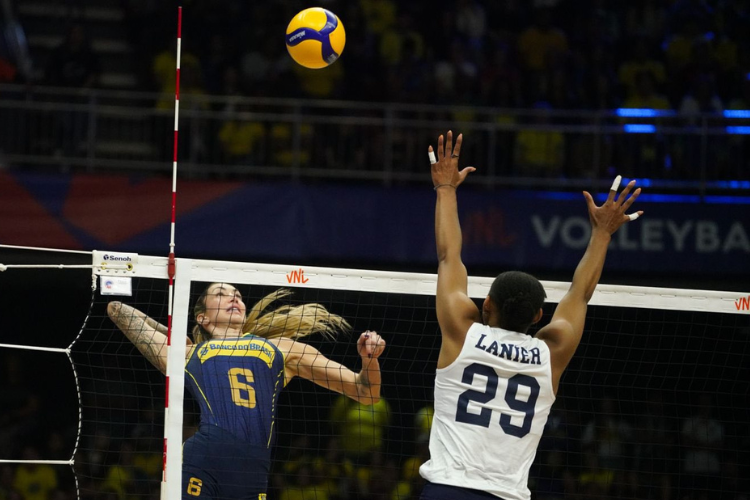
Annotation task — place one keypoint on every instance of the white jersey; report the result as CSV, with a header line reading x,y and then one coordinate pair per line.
x,y
491,406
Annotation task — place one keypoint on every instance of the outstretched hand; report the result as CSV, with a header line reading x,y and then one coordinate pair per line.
x,y
445,169
611,215
370,345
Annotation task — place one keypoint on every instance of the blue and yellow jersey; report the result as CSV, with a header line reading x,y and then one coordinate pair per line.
x,y
237,383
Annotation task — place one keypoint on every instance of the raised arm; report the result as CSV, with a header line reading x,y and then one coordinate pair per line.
x,y
309,363
157,326
146,334
563,333
455,309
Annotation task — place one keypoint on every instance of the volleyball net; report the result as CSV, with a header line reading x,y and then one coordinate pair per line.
x,y
654,401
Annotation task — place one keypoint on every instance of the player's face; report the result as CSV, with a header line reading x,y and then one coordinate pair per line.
x,y
224,306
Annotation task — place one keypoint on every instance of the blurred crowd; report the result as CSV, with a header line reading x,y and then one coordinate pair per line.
x,y
548,56
687,55
594,449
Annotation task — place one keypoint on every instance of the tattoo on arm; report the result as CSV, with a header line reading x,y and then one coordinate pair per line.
x,y
156,325
140,331
364,379
367,388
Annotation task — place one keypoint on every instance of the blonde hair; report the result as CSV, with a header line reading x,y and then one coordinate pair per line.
x,y
292,322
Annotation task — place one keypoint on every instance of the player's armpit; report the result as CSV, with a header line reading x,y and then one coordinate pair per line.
x,y
291,357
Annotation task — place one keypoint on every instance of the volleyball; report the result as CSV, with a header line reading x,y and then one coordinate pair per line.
x,y
315,38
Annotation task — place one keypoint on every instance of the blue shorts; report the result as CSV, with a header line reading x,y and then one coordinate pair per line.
x,y
434,491
218,466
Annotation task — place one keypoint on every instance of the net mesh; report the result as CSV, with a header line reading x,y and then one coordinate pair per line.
x,y
653,405
122,403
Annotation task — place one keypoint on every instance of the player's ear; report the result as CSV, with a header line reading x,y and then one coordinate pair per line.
x,y
486,305
201,319
538,316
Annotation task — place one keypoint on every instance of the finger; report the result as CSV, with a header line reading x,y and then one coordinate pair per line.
x,y
624,195
449,144
431,154
466,171
632,217
374,346
440,151
375,351
457,149
630,200
614,188
589,200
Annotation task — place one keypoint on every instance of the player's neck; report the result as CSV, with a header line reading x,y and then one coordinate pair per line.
x,y
226,332
491,319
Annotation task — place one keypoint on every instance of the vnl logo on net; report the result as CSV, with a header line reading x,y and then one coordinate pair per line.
x,y
297,276
743,303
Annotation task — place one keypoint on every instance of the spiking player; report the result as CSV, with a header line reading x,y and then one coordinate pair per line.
x,y
235,370
495,384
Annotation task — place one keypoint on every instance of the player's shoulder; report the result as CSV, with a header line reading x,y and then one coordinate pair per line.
x,y
556,332
249,337
454,327
290,346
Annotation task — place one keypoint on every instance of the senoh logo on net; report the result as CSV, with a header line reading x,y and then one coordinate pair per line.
x,y
117,258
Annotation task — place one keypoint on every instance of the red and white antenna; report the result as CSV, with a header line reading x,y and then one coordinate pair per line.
x,y
170,268
171,260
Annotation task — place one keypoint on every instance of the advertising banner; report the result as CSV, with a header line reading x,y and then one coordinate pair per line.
x,y
280,222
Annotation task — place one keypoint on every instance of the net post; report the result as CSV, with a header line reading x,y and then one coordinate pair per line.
x,y
173,415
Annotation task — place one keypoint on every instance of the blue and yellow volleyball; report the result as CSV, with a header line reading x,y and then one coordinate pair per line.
x,y
315,38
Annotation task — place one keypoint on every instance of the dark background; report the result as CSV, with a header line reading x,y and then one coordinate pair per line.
x,y
633,357
628,356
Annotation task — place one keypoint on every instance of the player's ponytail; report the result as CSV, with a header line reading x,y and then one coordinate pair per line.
x,y
293,322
